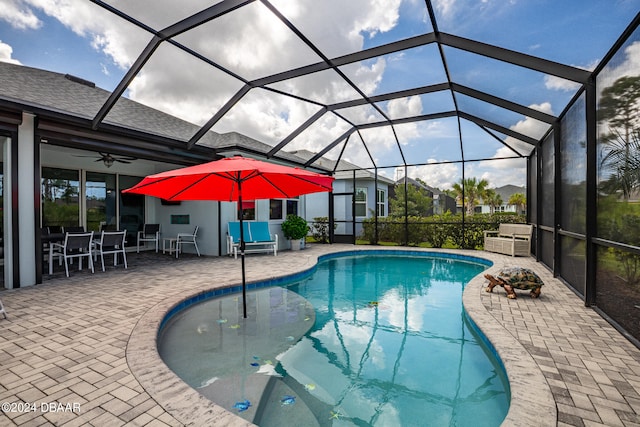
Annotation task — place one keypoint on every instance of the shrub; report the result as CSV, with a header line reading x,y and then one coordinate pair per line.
x,y
320,229
294,227
436,230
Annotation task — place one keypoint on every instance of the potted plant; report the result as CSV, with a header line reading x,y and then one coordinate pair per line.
x,y
295,228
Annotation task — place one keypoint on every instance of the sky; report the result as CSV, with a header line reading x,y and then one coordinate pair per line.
x,y
83,39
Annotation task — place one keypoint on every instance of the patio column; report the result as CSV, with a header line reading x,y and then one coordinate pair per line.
x,y
27,199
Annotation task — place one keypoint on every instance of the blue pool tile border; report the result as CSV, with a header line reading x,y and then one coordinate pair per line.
x,y
282,280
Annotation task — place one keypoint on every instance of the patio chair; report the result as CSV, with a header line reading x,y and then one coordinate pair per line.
x,y
111,242
187,239
149,233
76,245
74,229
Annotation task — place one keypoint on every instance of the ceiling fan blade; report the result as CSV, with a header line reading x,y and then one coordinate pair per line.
x,y
122,161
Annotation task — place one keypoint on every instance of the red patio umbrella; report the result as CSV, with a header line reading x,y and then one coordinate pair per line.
x,y
231,180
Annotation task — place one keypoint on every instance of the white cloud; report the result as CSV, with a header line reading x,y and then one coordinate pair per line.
x,y
442,175
404,107
557,83
465,13
108,33
501,172
532,127
19,15
630,66
508,169
5,54
322,133
340,33
192,90
445,7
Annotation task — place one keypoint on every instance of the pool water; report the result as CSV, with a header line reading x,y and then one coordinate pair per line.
x,y
366,340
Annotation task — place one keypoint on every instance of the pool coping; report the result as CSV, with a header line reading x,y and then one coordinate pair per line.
x,y
532,402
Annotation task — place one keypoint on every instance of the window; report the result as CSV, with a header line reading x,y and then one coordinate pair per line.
x,y
382,195
280,208
275,209
248,210
60,197
292,207
102,204
361,201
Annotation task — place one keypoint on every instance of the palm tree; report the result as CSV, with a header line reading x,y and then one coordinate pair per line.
x,y
492,199
472,189
619,110
622,164
519,200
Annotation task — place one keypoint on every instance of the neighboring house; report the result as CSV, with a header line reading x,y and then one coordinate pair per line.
x,y
441,202
505,192
362,184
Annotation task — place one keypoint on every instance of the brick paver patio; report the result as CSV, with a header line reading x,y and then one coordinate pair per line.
x,y
75,347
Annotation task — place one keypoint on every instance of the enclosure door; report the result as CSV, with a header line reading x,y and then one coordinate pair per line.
x,y
343,217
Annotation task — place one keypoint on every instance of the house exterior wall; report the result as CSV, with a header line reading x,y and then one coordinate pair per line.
x,y
317,204
229,213
201,213
502,208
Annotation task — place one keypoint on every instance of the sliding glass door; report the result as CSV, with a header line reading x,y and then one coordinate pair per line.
x,y
60,197
131,209
99,207
100,201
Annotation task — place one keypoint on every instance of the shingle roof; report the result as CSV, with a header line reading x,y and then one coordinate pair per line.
x,y
507,190
37,89
59,93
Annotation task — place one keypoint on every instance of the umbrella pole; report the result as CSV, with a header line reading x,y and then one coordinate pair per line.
x,y
242,248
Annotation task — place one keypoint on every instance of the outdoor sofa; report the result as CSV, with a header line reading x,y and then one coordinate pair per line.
x,y
257,238
509,239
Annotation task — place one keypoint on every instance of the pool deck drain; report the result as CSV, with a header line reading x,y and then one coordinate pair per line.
x,y
82,349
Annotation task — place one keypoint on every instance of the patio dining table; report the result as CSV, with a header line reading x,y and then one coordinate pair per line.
x,y
57,238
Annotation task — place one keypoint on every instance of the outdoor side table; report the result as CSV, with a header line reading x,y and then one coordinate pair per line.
x,y
172,241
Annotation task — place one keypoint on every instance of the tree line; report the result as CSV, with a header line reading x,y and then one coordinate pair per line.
x,y
471,192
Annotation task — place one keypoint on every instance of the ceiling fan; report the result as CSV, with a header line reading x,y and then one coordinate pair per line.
x,y
109,159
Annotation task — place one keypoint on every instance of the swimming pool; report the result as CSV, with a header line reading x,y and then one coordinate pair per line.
x,y
386,343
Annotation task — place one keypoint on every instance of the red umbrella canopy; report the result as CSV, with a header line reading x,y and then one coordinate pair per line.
x,y
222,180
